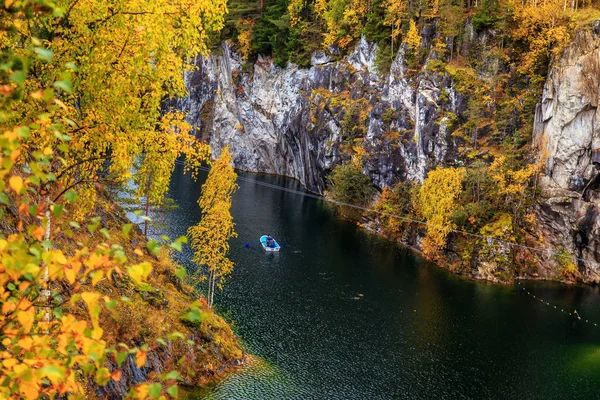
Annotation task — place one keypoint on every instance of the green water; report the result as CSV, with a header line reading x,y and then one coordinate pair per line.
x,y
343,314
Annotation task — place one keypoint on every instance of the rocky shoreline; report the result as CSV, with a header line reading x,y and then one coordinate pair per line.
x,y
288,121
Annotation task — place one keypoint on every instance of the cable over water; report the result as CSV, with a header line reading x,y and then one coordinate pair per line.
x,y
406,218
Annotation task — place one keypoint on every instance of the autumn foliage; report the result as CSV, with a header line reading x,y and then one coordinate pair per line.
x,y
81,88
210,237
438,198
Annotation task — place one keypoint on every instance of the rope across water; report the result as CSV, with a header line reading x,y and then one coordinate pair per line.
x,y
404,218
412,220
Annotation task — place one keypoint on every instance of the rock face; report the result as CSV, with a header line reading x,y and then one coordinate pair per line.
x,y
567,128
294,122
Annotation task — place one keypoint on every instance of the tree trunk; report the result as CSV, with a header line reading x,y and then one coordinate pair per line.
x,y
209,296
212,292
147,215
45,295
392,53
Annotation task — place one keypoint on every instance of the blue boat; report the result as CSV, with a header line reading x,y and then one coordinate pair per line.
x,y
272,246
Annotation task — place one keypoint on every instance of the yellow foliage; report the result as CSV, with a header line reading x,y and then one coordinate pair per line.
x,y
566,266
542,26
343,20
87,91
413,38
395,12
438,198
513,184
209,238
295,8
245,36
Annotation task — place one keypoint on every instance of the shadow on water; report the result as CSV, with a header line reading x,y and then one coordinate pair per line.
x,y
343,314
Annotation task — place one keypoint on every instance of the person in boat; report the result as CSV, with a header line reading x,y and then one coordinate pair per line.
x,y
270,241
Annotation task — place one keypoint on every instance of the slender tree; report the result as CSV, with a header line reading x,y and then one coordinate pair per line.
x,y
209,238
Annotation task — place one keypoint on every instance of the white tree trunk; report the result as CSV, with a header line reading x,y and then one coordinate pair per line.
x,y
45,295
212,292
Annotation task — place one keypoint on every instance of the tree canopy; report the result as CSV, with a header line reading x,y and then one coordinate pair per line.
x,y
81,84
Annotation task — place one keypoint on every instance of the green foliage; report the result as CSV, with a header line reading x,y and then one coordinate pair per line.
x,y
271,32
347,184
566,266
486,16
397,201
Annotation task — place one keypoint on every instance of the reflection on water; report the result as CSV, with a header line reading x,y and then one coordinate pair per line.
x,y
343,314
255,378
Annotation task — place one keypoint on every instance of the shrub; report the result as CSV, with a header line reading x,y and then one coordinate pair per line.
x,y
349,185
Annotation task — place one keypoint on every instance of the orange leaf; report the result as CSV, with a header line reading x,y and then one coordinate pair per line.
x,y
116,375
38,233
140,358
8,307
24,209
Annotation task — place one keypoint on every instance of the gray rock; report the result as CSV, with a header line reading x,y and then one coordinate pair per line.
x,y
284,121
277,121
320,58
567,129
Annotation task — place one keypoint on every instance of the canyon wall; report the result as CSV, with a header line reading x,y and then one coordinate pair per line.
x,y
273,121
289,121
567,130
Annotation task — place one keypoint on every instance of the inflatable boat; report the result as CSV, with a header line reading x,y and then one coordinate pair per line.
x,y
272,246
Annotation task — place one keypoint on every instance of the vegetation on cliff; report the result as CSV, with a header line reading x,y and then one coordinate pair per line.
x,y
88,306
495,53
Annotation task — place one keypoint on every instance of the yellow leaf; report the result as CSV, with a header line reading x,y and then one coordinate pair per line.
x,y
26,343
90,298
139,272
8,307
29,392
25,318
15,154
97,277
9,362
38,95
16,183
70,274
59,257
141,391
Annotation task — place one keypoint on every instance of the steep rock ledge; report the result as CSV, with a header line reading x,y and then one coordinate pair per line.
x,y
567,128
288,121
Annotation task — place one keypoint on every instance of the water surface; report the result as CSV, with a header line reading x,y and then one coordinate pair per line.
x,y
340,313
